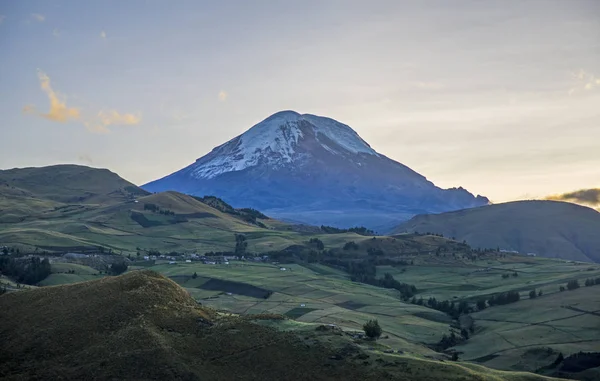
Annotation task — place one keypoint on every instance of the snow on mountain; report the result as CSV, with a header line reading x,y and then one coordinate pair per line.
x,y
275,141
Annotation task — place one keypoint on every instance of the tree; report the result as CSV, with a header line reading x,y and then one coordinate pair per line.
x,y
573,284
454,356
540,293
562,288
5,250
464,333
317,242
559,359
589,282
532,294
350,246
118,268
372,329
481,305
240,244
195,275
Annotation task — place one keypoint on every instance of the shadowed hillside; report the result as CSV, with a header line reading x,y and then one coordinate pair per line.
x,y
67,184
143,326
546,228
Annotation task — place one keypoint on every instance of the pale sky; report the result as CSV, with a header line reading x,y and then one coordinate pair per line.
x,y
500,97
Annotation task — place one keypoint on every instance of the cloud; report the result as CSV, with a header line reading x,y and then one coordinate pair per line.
x,y
583,81
85,158
103,35
59,112
104,119
583,196
38,17
223,95
56,32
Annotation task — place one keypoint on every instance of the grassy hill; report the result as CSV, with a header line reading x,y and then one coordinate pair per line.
x,y
144,326
546,228
67,184
74,208
322,282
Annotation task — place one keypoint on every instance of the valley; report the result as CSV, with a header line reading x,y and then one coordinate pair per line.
x,y
436,299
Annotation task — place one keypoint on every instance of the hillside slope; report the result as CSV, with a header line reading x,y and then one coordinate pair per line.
x,y
143,326
67,184
75,208
547,228
314,170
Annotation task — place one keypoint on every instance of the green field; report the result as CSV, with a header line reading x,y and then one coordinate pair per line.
x,y
450,279
566,322
503,334
312,297
114,217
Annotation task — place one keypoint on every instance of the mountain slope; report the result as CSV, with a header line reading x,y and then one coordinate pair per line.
x,y
143,326
546,228
76,208
315,170
67,184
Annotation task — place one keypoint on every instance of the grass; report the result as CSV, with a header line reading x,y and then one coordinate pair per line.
x,y
565,322
59,279
446,278
143,326
326,299
551,228
315,294
311,294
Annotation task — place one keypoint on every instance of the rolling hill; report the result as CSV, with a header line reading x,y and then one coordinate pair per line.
x,y
67,184
143,326
100,209
69,207
546,228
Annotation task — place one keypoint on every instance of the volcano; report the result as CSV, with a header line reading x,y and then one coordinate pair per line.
x,y
315,170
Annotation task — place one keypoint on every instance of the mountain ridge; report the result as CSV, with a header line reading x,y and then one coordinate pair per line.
x,y
293,163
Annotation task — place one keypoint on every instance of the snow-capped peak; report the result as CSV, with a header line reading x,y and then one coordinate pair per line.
x,y
275,141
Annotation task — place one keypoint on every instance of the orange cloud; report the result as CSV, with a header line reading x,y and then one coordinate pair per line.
x,y
104,119
59,112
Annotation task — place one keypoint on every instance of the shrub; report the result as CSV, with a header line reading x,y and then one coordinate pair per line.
x,y
317,242
118,268
573,284
350,246
372,329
